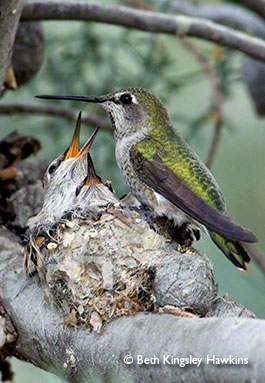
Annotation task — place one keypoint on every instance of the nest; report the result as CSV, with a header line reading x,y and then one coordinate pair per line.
x,y
98,268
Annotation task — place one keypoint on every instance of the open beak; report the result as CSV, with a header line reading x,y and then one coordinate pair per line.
x,y
85,149
75,98
72,151
91,177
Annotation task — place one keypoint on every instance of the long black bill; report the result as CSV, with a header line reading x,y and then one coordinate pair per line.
x,y
75,98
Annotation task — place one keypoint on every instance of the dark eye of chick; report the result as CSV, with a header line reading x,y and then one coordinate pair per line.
x,y
126,98
52,169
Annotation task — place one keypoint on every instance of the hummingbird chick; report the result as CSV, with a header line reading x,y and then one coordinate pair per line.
x,y
164,173
94,194
61,182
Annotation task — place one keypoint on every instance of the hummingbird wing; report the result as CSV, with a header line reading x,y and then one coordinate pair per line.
x,y
153,171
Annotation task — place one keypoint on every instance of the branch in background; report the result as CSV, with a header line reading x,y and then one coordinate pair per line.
x,y
257,6
10,11
252,70
52,110
215,142
226,14
256,256
217,111
217,97
253,74
145,21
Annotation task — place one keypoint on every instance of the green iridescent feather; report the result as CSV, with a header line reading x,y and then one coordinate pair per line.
x,y
176,154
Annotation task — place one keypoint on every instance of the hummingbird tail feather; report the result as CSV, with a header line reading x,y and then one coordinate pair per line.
x,y
233,249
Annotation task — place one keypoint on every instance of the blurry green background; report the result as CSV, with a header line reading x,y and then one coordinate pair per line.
x,y
84,58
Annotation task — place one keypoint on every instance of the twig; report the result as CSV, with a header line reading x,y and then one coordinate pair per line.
x,y
217,97
214,143
89,119
145,21
123,218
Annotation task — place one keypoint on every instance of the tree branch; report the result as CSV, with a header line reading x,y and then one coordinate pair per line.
x,y
215,142
217,98
252,70
146,21
28,51
77,356
10,11
53,110
226,14
74,271
257,6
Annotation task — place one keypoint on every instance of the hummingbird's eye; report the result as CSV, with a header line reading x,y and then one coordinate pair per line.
x,y
126,98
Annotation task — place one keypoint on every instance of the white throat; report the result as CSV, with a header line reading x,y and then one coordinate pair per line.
x,y
124,144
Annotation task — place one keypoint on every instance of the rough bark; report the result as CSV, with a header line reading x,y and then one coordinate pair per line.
x,y
146,21
34,330
10,11
28,51
43,339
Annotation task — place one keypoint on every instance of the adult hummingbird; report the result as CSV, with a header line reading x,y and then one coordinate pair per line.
x,y
164,173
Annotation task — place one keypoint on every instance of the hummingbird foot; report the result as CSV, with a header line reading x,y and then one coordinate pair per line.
x,y
197,233
183,235
187,234
160,225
